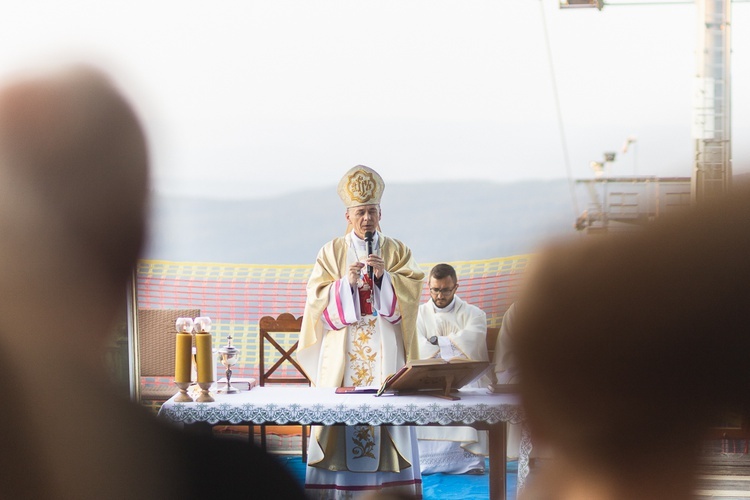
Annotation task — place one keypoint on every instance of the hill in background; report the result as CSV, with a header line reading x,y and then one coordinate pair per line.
x,y
438,221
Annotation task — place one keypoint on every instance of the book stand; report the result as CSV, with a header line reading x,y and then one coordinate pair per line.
x,y
435,377
445,393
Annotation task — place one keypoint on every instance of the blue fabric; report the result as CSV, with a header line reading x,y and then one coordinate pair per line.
x,y
435,486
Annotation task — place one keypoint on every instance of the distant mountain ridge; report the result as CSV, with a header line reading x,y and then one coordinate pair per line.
x,y
438,221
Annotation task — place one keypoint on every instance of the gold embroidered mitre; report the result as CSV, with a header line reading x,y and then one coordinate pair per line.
x,y
361,186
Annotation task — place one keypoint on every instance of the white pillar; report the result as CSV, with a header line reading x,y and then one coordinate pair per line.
x,y
712,165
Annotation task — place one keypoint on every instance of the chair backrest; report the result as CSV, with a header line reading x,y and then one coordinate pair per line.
x,y
267,327
492,334
156,339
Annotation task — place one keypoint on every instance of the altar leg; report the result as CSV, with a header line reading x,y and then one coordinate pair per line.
x,y
203,428
498,460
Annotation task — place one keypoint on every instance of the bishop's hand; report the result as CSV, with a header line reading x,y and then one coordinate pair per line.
x,y
355,271
377,263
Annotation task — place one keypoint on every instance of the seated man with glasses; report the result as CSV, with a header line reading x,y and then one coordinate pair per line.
x,y
448,327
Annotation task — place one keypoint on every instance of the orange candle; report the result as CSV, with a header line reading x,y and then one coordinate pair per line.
x,y
204,358
182,355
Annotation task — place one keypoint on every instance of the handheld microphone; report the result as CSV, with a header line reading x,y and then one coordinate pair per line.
x,y
368,240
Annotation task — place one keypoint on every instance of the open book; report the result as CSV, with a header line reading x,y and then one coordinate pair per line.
x,y
435,376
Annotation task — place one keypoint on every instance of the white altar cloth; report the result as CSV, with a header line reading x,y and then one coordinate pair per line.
x,y
283,405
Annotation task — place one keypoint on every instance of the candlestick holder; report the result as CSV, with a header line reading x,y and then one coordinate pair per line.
x,y
228,356
204,396
183,358
204,358
183,396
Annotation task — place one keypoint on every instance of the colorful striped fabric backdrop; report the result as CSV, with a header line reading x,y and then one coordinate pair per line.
x,y
236,296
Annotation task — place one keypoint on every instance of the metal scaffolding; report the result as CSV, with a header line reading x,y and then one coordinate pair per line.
x,y
623,203
712,133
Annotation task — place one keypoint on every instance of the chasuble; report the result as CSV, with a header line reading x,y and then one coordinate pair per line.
x,y
339,346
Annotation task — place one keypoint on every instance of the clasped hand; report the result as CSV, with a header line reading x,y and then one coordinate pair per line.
x,y
443,328
355,270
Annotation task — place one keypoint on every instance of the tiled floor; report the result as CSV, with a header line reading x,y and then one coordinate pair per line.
x,y
721,475
434,486
724,476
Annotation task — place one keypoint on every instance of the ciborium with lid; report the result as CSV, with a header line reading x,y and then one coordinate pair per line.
x,y
228,356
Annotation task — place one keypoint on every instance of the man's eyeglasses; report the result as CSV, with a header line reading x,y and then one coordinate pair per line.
x,y
443,291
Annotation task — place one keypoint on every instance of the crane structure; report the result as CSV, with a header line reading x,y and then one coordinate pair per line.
x,y
712,131
645,198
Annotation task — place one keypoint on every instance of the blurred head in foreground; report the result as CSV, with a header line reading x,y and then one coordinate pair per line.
x,y
73,173
630,346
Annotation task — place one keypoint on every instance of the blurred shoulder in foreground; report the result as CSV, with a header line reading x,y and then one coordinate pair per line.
x,y
630,346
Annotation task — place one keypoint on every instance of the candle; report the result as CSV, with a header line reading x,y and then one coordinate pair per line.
x,y
204,358
202,324
184,325
182,357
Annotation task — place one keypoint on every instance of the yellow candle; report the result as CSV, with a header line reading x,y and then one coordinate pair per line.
x,y
204,357
182,357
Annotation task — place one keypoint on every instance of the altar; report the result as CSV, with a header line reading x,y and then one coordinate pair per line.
x,y
288,405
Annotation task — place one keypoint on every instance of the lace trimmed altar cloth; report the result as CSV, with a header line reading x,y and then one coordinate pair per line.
x,y
308,405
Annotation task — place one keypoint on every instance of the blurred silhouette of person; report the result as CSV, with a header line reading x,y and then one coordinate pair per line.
x,y
630,346
506,368
506,372
73,184
449,327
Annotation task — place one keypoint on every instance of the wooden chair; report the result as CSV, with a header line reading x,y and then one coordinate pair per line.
x,y
267,327
492,333
156,343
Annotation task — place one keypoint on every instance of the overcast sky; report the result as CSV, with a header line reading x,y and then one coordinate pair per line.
x,y
243,97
